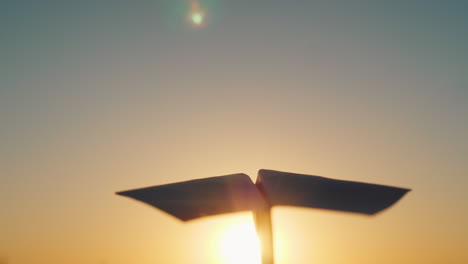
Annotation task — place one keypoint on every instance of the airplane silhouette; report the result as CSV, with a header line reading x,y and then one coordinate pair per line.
x,y
236,192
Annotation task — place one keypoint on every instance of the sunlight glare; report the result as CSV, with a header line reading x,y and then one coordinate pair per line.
x,y
240,244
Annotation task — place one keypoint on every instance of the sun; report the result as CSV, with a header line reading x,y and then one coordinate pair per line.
x,y
239,244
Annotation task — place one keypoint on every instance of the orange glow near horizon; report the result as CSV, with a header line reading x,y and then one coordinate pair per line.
x,y
98,98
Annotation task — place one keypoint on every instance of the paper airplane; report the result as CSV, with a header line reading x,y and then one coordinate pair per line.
x,y
236,192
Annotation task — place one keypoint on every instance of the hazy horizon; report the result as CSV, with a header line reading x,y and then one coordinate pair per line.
x,y
102,96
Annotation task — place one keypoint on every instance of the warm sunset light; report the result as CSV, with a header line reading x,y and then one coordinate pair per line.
x,y
98,98
240,244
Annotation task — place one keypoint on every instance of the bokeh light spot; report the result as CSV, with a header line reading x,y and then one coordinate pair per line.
x,y
197,18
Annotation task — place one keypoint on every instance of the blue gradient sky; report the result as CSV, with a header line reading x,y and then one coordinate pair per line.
x,y
99,96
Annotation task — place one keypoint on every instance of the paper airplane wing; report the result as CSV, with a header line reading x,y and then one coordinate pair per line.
x,y
284,188
203,197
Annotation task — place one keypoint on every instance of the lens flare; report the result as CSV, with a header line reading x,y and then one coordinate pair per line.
x,y
197,18
196,15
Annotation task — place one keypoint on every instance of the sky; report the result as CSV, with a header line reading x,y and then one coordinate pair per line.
x,y
103,96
